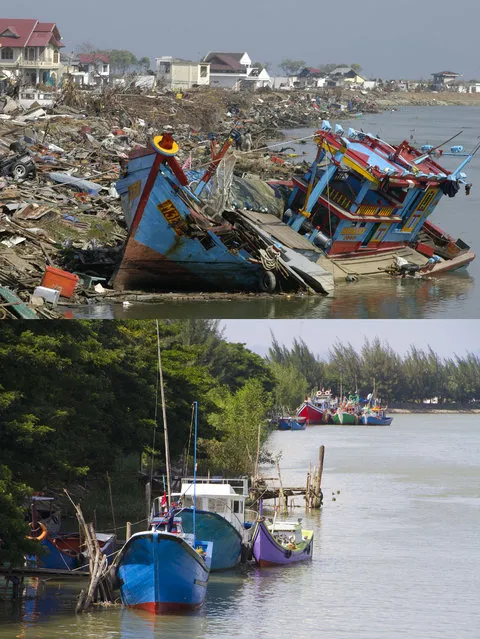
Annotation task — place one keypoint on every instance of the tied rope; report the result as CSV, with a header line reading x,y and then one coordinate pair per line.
x,y
269,258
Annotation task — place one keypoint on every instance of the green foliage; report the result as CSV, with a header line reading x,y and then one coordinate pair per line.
x,y
13,527
240,421
290,386
291,67
121,60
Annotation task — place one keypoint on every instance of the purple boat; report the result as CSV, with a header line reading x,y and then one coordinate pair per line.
x,y
281,543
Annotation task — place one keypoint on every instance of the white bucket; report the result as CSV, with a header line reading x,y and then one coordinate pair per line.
x,y
50,294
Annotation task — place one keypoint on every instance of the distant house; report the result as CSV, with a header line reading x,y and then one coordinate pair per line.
x,y
91,69
228,69
175,73
442,79
311,77
30,49
340,76
257,79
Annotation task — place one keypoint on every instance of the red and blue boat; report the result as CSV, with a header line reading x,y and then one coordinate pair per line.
x,y
367,203
160,571
317,410
281,543
292,423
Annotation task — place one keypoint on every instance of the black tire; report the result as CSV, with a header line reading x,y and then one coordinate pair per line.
x,y
267,282
19,171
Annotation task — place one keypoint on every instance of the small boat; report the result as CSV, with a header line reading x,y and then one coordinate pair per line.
x,y
165,569
348,412
68,551
219,516
160,571
292,423
281,543
376,416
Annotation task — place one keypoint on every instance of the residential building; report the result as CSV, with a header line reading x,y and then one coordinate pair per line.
x,y
175,73
341,76
228,69
30,49
309,77
442,79
90,69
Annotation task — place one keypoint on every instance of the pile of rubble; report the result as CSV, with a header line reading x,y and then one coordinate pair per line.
x,y
58,167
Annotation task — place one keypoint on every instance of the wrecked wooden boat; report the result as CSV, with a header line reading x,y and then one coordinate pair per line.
x,y
367,204
176,242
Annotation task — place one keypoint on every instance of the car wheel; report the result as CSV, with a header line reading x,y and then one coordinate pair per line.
x,y
267,282
19,171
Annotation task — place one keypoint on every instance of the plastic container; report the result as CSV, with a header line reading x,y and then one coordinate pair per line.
x,y
61,280
50,294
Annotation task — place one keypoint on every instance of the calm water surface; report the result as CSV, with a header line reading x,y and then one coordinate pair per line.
x,y
450,296
395,555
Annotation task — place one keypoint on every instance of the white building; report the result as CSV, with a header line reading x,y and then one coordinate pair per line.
x,y
175,73
228,69
91,69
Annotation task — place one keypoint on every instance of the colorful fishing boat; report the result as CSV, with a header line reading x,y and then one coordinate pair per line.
x,y
160,571
366,204
219,516
174,243
281,543
318,410
376,416
348,412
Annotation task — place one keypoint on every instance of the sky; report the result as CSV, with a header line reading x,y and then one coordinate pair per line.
x,y
446,337
411,39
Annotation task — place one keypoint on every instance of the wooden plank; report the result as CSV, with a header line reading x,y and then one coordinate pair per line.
x,y
16,304
280,231
43,572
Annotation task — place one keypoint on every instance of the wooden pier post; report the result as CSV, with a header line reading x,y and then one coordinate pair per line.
x,y
128,532
317,489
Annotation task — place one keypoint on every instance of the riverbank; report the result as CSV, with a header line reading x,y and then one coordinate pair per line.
x,y
434,411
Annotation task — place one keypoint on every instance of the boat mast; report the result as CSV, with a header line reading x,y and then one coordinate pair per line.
x,y
195,405
164,414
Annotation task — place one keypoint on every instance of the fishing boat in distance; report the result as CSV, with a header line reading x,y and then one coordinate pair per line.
x,y
279,543
376,416
367,203
292,423
348,412
317,409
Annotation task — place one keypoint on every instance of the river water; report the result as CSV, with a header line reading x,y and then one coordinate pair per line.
x,y
395,549
455,295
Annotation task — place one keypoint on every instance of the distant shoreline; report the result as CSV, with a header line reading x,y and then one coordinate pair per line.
x,y
434,411
425,98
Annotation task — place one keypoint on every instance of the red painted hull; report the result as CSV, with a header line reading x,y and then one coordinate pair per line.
x,y
156,608
312,414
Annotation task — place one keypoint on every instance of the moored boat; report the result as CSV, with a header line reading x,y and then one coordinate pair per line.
x,y
376,416
292,423
281,543
160,571
68,551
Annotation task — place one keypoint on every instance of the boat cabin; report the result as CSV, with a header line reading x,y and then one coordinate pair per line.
x,y
223,496
287,531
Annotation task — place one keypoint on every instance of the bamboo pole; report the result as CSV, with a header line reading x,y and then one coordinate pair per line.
x,y
128,532
111,502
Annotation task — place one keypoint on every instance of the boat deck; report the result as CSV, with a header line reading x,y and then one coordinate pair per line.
x,y
365,265
280,231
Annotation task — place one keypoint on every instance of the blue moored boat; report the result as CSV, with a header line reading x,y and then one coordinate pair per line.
x,y
160,571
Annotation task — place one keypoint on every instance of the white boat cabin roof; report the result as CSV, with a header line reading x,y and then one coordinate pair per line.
x,y
210,490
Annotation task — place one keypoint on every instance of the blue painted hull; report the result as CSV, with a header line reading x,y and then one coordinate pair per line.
x,y
160,572
371,420
292,423
161,253
62,552
227,542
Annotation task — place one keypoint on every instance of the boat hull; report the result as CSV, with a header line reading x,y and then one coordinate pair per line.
x,y
345,419
160,572
268,552
227,542
292,423
312,414
372,420
62,551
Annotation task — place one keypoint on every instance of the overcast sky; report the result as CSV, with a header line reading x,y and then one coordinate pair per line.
x,y
446,337
410,39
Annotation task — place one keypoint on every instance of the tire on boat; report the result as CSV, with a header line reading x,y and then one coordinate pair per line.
x,y
267,282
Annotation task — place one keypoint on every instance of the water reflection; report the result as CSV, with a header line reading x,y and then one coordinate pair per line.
x,y
388,298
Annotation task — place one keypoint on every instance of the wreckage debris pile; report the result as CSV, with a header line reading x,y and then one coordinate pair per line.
x,y
66,212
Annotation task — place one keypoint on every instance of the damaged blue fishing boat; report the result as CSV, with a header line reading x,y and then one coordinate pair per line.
x,y
176,242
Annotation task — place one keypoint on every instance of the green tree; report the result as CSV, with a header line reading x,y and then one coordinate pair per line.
x,y
290,386
292,67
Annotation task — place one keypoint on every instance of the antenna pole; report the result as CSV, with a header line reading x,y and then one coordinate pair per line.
x,y
195,405
164,414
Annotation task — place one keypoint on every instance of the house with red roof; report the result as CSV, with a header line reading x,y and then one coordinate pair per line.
x,y
90,69
30,49
228,69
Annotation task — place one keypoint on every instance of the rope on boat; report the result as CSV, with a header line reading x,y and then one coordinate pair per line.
x,y
269,258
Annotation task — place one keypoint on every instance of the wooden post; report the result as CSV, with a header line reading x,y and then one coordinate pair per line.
x,y
317,497
111,502
307,492
128,532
